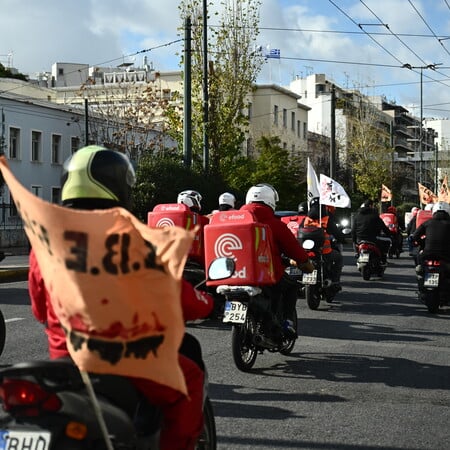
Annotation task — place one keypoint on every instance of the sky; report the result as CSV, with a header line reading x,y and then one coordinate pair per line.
x,y
361,44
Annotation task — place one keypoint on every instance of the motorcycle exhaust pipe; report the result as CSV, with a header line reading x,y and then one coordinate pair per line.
x,y
262,341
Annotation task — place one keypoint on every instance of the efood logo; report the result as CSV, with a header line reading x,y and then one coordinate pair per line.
x,y
225,244
165,222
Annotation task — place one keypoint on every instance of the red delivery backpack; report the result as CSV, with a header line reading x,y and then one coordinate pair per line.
x,y
178,214
237,235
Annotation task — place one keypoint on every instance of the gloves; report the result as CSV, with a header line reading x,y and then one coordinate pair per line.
x,y
307,266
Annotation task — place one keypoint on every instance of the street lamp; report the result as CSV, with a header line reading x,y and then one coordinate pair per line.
x,y
422,68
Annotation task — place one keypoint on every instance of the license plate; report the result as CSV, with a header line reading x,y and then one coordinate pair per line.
x,y
364,257
310,278
234,312
431,280
24,440
294,271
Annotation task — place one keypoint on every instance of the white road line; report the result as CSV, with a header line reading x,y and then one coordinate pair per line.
x,y
15,319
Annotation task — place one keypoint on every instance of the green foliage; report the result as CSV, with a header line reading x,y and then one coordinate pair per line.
x,y
159,179
232,71
6,73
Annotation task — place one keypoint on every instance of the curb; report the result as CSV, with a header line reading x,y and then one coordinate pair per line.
x,y
10,275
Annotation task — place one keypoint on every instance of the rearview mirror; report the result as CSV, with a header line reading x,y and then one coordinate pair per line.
x,y
221,268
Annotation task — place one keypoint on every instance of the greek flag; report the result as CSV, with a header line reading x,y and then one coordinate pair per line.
x,y
273,53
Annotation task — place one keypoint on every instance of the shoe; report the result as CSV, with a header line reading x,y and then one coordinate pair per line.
x,y
289,330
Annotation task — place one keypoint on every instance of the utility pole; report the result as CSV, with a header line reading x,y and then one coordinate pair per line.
x,y
422,68
2,137
86,122
205,89
333,133
187,128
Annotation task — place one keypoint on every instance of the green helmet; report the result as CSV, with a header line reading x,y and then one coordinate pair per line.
x,y
95,173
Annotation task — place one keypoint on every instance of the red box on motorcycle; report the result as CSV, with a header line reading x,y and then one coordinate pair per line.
x,y
390,220
177,214
237,235
422,216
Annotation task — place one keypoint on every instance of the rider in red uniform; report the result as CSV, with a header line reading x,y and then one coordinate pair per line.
x,y
114,177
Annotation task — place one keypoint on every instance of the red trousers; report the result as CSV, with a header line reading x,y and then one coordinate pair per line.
x,y
183,416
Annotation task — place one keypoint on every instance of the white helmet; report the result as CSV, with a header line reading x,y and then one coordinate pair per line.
x,y
264,193
441,206
227,199
429,206
192,199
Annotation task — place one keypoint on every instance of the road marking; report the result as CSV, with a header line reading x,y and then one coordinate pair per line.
x,y
15,319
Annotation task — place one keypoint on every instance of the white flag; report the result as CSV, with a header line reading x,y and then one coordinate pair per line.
x,y
312,183
332,193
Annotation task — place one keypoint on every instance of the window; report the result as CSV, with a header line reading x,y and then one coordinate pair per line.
x,y
275,114
36,144
305,130
36,190
56,149
14,143
299,128
60,71
293,121
74,144
284,117
56,195
284,146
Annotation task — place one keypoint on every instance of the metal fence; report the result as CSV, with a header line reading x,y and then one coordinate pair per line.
x,y
9,218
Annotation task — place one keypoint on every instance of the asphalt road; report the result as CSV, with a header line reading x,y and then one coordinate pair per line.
x,y
370,371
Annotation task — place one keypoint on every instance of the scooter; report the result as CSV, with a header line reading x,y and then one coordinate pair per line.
x,y
368,260
317,285
51,405
433,279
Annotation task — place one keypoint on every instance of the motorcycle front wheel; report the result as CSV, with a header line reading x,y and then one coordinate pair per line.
x,y
288,343
208,438
312,296
242,346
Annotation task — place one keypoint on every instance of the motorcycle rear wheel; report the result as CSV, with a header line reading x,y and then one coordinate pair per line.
x,y
432,301
2,332
288,344
243,349
208,438
312,296
365,272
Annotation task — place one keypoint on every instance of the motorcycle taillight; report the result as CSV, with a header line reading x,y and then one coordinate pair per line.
x,y
28,397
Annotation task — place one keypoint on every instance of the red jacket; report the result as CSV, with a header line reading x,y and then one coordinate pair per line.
x,y
195,305
285,242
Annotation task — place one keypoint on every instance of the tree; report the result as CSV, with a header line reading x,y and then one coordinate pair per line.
x,y
233,69
6,73
368,147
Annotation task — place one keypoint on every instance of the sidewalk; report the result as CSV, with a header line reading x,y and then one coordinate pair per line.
x,y
14,268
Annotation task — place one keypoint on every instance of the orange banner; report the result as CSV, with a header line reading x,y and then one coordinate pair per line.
x,y
114,284
386,194
443,194
426,196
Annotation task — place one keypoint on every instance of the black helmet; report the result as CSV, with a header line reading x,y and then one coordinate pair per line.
x,y
96,177
303,207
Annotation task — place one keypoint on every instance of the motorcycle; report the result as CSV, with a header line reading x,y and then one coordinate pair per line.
x,y
369,261
51,405
317,285
433,279
255,328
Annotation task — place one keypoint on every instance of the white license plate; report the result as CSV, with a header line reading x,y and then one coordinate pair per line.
x,y
234,312
310,278
24,440
431,280
364,257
